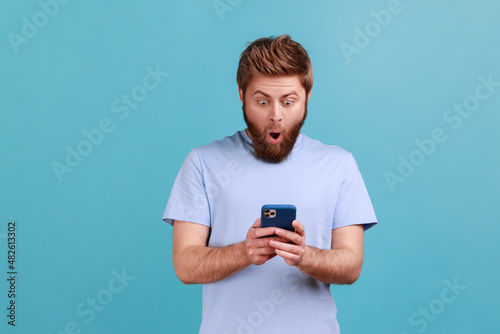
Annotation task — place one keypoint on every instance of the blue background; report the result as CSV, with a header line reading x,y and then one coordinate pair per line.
x,y
76,231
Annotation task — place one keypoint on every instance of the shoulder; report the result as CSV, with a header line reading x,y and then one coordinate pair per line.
x,y
316,147
227,142
229,148
225,148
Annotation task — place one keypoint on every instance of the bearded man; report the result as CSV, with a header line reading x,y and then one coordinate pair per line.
x,y
267,279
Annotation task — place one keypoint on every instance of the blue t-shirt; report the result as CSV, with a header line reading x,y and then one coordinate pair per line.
x,y
222,185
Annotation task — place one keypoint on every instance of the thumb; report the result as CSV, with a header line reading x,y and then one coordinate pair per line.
x,y
256,224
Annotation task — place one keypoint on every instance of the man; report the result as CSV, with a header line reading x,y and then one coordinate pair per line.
x,y
278,284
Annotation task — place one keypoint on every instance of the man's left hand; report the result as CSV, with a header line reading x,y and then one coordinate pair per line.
x,y
292,252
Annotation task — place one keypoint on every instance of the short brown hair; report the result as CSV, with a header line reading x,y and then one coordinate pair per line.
x,y
274,56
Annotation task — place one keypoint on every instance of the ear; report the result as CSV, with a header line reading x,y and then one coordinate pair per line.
x,y
309,95
241,94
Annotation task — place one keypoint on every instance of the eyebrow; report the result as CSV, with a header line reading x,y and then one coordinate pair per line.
x,y
267,95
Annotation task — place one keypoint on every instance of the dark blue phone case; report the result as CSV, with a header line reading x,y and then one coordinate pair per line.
x,y
284,215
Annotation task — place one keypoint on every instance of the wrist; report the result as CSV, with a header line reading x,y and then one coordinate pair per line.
x,y
307,258
241,251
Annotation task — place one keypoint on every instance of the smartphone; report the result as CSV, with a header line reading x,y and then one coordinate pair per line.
x,y
278,215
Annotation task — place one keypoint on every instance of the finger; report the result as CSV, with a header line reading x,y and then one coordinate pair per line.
x,y
290,258
256,224
299,228
259,258
279,239
286,247
291,236
267,250
261,245
262,251
265,231
252,232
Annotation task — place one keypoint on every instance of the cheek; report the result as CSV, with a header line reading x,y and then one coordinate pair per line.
x,y
257,117
289,118
297,118
296,115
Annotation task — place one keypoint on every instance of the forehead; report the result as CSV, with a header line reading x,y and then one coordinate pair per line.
x,y
278,85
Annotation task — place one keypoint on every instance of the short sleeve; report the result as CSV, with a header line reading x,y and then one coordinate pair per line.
x,y
353,202
188,198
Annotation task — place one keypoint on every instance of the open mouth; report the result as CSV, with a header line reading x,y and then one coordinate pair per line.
x,y
274,137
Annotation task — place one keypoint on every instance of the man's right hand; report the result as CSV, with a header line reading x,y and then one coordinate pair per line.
x,y
257,248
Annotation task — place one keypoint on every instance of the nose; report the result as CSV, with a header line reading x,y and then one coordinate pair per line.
x,y
276,113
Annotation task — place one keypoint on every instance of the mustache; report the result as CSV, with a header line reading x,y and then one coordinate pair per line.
x,y
276,126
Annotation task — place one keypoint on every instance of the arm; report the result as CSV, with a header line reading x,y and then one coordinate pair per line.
x,y
339,265
196,263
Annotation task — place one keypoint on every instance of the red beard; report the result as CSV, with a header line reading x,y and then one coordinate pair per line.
x,y
273,153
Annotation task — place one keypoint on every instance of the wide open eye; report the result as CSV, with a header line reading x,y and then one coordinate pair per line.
x,y
262,102
288,103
